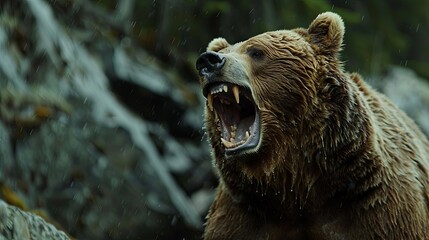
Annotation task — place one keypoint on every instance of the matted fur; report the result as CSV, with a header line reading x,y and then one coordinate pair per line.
x,y
338,160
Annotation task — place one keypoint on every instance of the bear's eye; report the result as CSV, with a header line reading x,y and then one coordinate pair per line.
x,y
255,53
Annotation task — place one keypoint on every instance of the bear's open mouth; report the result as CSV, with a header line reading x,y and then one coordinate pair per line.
x,y
237,115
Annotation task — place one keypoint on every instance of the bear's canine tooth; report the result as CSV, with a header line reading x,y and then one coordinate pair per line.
x,y
226,143
247,135
236,92
210,101
225,88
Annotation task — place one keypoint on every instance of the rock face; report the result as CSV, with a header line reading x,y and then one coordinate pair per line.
x,y
16,224
93,132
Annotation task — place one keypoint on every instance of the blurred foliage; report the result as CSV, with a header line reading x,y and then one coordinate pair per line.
x,y
378,33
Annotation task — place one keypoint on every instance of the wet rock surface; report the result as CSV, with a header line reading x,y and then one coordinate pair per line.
x,y
95,135
18,224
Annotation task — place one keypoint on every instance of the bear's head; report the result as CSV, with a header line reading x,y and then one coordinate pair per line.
x,y
264,97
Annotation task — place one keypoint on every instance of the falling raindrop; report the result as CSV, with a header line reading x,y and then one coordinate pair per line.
x,y
174,221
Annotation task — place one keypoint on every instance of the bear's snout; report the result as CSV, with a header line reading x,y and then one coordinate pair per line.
x,y
209,62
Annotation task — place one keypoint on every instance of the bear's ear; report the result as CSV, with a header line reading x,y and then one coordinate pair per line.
x,y
217,44
327,31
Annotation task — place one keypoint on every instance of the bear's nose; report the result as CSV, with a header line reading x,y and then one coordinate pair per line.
x,y
208,62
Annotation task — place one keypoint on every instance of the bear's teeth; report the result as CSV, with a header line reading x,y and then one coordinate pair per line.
x,y
210,102
223,88
227,143
236,92
232,142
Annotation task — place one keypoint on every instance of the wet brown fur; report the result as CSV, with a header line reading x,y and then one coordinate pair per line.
x,y
338,160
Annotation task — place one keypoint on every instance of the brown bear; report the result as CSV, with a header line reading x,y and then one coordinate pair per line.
x,y
305,150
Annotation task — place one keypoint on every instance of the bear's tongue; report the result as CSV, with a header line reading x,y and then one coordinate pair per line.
x,y
234,128
239,120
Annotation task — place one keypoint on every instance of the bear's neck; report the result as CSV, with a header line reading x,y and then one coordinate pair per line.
x,y
333,157
332,149
342,142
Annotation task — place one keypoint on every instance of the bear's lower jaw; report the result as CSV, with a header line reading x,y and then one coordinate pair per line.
x,y
249,144
236,116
